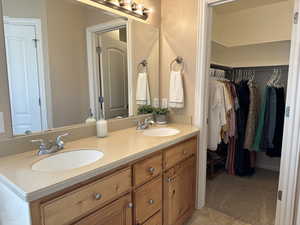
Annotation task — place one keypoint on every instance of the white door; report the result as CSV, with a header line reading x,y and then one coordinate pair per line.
x,y
114,77
23,78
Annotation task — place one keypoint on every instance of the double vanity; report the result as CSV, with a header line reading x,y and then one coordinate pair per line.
x,y
131,177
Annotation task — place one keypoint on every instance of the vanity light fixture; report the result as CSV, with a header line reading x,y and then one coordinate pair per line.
x,y
121,7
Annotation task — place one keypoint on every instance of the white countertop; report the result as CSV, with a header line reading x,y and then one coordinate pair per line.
x,y
119,148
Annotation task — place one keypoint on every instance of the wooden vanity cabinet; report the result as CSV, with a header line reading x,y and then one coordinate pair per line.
x,y
179,192
156,190
116,213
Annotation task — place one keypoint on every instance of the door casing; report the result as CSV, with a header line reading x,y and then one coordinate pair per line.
x,y
93,69
41,64
286,208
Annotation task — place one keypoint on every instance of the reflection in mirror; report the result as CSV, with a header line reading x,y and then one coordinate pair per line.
x,y
111,75
67,60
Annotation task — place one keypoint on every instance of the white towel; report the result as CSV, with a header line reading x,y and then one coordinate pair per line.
x,y
143,90
176,92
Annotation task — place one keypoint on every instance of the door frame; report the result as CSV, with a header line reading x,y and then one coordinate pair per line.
x,y
286,208
92,58
40,62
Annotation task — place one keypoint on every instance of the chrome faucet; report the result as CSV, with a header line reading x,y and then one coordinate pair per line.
x,y
48,147
143,125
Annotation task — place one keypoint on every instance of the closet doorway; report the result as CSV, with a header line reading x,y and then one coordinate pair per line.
x,y
249,54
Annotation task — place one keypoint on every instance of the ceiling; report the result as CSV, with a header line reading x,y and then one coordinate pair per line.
x,y
243,4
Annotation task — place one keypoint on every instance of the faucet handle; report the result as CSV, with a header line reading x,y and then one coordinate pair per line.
x,y
59,138
149,120
59,142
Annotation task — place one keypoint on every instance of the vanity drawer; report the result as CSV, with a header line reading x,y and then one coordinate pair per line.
x,y
147,169
155,220
73,205
180,152
148,200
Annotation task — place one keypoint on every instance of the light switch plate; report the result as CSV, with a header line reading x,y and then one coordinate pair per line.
x,y
156,102
2,129
164,103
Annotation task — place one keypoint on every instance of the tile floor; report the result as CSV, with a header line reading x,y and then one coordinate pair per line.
x,y
209,216
235,200
249,199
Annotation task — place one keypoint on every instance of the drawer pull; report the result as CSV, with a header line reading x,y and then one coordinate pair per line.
x,y
98,196
170,180
130,205
151,170
151,202
184,152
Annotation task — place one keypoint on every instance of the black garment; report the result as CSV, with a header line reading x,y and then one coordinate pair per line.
x,y
280,111
270,119
242,156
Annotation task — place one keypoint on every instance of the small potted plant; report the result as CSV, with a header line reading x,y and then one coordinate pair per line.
x,y
145,109
161,115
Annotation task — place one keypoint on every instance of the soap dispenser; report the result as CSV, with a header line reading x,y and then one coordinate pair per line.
x,y
101,123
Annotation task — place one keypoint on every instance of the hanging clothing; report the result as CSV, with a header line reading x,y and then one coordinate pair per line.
x,y
217,114
240,125
261,119
242,157
270,120
252,117
278,136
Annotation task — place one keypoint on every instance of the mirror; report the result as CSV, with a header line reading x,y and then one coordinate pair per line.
x,y
68,62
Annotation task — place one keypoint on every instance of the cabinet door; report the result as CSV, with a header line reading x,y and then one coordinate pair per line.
x,y
116,213
179,192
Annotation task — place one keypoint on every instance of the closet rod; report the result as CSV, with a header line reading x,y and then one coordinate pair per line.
x,y
263,68
220,67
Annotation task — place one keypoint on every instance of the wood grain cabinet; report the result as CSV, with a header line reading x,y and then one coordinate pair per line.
x,y
179,192
116,213
148,200
156,190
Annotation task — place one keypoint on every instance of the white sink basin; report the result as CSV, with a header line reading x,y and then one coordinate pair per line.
x,y
161,132
67,160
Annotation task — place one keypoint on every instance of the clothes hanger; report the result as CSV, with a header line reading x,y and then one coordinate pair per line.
x,y
273,77
277,82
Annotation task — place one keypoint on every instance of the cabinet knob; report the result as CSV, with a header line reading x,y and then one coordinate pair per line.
x,y
151,170
98,196
184,152
151,202
130,205
170,180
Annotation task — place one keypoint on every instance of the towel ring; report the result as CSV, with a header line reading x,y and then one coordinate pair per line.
x,y
179,61
142,65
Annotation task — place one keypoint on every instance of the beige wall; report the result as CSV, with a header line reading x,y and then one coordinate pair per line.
x,y
254,25
66,25
145,46
23,9
179,38
268,54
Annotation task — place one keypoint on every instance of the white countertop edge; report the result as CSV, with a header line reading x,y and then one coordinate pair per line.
x,y
33,196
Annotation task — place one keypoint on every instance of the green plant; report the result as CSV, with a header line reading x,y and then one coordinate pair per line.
x,y
161,111
145,109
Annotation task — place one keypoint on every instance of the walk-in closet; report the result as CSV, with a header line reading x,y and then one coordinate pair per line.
x,y
248,80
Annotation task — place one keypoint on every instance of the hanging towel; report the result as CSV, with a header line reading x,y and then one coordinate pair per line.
x,y
176,93
143,90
